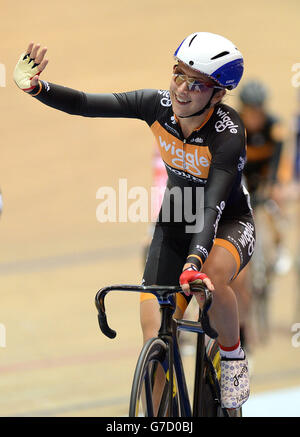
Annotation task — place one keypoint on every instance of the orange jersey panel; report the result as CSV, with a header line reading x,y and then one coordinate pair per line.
x,y
191,158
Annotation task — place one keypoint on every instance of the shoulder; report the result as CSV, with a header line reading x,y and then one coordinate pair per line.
x,y
144,103
154,97
228,139
227,127
139,94
162,95
228,120
164,98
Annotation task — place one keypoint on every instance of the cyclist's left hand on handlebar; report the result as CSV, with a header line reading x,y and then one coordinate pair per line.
x,y
29,67
194,277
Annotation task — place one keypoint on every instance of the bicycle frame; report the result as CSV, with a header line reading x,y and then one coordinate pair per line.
x,y
168,333
201,360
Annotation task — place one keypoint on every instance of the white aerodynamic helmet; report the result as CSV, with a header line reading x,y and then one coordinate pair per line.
x,y
213,55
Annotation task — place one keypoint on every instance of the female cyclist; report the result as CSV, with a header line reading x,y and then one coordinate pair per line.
x,y
202,144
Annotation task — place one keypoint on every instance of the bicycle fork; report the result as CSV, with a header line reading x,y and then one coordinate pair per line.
x,y
166,334
199,371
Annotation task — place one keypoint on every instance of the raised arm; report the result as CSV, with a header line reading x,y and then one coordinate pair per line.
x,y
134,104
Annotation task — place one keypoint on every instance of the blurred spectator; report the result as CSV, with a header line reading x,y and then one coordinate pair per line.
x,y
264,170
295,191
158,186
297,142
266,173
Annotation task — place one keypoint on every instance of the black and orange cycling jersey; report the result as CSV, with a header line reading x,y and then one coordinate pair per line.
x,y
212,157
263,155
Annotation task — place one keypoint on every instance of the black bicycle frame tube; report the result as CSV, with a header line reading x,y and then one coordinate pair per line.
x,y
185,406
165,333
199,370
168,334
148,394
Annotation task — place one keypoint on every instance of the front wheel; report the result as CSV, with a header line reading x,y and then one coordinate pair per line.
x,y
150,388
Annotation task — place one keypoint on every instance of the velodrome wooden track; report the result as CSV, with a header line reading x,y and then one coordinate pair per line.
x,y
54,254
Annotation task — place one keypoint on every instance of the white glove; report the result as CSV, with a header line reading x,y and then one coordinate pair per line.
x,y
25,70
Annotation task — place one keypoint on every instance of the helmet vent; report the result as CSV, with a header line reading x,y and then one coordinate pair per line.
x,y
220,55
192,40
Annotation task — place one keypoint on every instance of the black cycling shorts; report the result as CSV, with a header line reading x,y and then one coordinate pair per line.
x,y
170,247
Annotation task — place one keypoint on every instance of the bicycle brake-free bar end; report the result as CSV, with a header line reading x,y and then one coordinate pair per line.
x,y
110,333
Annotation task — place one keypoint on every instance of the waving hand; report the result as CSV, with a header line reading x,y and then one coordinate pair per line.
x,y
29,67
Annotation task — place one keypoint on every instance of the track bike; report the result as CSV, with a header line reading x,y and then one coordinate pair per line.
x,y
161,356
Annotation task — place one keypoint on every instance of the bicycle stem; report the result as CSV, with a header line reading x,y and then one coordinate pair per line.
x,y
167,311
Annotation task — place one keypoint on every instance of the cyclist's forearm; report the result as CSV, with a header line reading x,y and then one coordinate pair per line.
x,y
77,102
59,97
202,242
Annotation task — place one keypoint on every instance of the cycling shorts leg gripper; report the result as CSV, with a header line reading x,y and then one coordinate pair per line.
x,y
238,237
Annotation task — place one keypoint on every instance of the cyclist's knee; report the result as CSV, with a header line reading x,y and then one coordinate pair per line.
x,y
220,277
220,267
